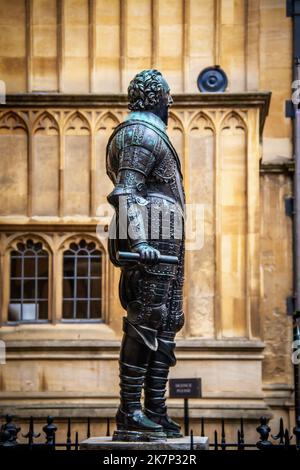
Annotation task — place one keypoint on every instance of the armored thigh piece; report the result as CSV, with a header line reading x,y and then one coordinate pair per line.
x,y
145,296
175,318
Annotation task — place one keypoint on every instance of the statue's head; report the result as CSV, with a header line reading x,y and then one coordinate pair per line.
x,y
149,91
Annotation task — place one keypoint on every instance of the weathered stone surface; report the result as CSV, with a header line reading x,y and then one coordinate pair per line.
x,y
276,279
183,443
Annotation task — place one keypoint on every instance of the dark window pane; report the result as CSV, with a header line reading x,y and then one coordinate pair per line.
x,y
68,309
68,288
29,267
95,309
96,266
16,267
43,310
15,289
82,266
82,288
20,246
82,243
29,289
43,267
68,267
42,289
81,309
83,253
29,244
95,288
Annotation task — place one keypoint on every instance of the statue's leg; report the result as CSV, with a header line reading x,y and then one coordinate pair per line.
x,y
145,296
164,358
133,364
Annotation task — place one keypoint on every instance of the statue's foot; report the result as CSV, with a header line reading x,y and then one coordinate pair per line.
x,y
136,425
170,427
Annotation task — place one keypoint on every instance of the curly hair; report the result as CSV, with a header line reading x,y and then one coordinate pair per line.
x,y
145,90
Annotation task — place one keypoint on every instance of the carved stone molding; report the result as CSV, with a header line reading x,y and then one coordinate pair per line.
x,y
214,100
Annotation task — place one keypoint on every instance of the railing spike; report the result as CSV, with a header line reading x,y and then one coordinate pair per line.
x,y
216,440
280,434
192,440
69,440
223,436
31,434
107,427
202,427
242,429
88,434
76,441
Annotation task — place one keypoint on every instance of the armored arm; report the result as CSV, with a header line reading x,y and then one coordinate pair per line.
x,y
128,198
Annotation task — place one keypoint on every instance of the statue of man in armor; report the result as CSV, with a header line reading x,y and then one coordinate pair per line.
x,y
148,198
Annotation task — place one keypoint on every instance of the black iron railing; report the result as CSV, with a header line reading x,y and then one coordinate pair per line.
x,y
10,433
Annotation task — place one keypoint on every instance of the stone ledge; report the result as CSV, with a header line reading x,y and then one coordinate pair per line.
x,y
223,409
183,443
181,344
250,99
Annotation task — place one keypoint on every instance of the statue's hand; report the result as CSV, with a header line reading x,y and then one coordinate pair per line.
x,y
148,254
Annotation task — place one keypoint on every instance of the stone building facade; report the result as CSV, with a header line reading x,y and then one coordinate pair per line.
x,y
66,65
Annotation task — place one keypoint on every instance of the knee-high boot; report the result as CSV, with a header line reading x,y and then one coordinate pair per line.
x,y
134,360
155,384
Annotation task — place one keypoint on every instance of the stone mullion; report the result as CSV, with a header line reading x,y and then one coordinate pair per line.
x,y
123,44
185,44
218,276
155,34
60,44
61,166
253,225
252,44
6,285
28,6
217,15
92,45
92,168
30,163
58,277
3,281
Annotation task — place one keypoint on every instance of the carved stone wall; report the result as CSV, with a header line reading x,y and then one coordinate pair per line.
x,y
72,60
59,178
97,46
232,299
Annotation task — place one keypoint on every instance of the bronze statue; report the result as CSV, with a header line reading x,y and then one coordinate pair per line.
x,y
148,225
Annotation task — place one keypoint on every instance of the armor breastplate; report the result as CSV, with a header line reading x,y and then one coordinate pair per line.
x,y
165,178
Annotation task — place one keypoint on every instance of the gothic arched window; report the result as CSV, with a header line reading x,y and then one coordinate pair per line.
x,y
29,272
82,280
